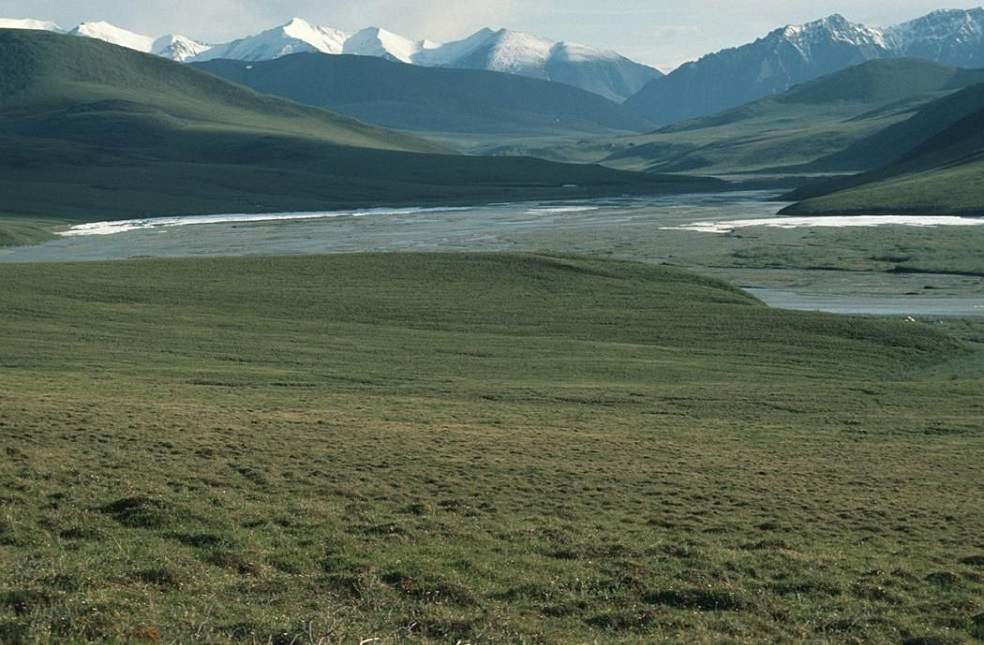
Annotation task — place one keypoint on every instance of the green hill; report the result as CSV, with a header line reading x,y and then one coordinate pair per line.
x,y
449,103
788,132
892,143
943,173
52,86
94,131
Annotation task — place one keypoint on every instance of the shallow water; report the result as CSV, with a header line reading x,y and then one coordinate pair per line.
x,y
491,227
909,306
845,221
658,229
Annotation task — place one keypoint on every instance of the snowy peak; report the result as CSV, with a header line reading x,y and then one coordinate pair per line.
x,y
374,41
115,35
29,23
832,29
577,53
448,54
295,37
952,37
327,40
178,48
501,51
519,53
602,72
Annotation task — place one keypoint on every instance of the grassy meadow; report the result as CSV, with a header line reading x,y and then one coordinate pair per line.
x,y
476,448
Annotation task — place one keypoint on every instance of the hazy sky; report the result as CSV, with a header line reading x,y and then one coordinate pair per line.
x,y
659,32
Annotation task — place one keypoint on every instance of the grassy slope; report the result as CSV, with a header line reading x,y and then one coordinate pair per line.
x,y
20,231
942,174
788,132
93,131
895,142
956,190
53,84
474,104
479,448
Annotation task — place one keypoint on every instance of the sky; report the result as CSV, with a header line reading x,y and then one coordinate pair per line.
x,y
662,33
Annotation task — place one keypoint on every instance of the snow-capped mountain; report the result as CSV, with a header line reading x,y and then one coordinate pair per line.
x,y
295,37
952,37
601,72
770,65
29,23
177,47
498,51
115,35
172,46
374,41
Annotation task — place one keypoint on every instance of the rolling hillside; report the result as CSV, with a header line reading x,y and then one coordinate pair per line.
x,y
481,105
789,132
894,142
92,130
942,174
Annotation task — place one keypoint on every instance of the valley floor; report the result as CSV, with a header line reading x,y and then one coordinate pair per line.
x,y
477,448
907,270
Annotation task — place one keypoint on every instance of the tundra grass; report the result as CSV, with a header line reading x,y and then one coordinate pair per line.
x,y
15,231
476,448
954,190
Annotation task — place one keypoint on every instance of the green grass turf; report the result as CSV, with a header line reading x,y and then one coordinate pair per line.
x,y
476,448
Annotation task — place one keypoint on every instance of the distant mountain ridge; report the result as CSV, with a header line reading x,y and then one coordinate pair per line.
x,y
470,105
800,53
602,72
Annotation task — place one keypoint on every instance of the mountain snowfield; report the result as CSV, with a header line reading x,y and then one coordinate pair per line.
x,y
374,41
295,37
951,37
179,48
29,23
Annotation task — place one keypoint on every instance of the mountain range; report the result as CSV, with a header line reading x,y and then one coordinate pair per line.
x,y
601,72
770,65
796,54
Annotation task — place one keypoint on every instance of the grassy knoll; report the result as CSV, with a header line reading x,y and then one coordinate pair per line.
x,y
484,448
